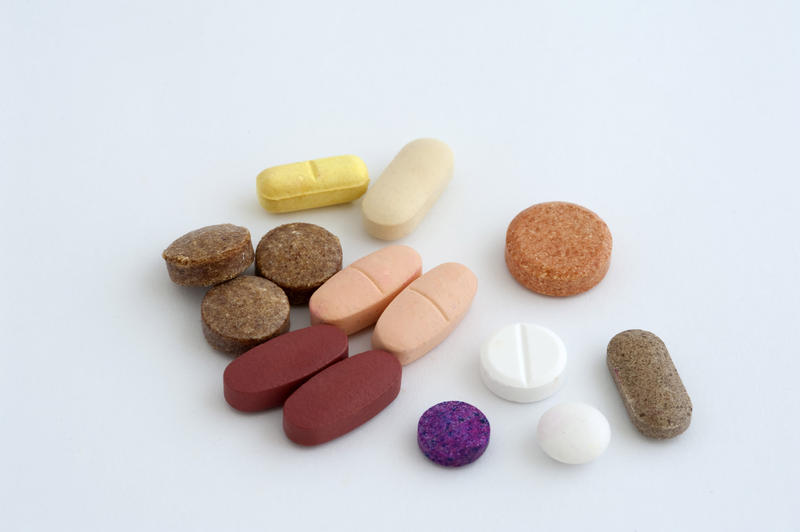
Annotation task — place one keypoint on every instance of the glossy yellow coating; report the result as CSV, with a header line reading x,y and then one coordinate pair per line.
x,y
310,184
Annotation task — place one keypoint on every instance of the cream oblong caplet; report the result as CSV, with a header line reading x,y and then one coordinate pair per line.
x,y
407,189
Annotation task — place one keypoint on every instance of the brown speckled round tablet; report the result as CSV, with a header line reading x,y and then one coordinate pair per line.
x,y
209,255
558,248
243,313
649,384
298,257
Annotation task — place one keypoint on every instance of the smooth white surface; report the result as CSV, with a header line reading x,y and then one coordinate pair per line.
x,y
523,362
124,125
573,433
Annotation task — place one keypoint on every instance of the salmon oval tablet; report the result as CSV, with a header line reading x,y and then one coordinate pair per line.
x,y
573,433
266,375
558,248
649,384
342,397
523,362
310,184
356,296
407,189
426,312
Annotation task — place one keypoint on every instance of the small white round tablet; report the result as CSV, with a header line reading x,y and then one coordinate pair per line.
x,y
523,362
573,433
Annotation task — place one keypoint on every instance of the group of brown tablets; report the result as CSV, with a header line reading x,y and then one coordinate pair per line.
x,y
241,312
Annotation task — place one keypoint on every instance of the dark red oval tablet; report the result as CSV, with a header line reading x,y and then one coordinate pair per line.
x,y
342,397
266,375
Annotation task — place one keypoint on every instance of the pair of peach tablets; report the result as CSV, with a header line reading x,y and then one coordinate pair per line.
x,y
391,209
412,313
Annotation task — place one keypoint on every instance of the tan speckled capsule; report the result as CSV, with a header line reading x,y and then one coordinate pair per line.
x,y
649,384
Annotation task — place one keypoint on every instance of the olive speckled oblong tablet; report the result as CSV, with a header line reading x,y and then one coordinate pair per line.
x,y
558,248
453,433
209,255
266,375
342,397
649,384
298,257
242,313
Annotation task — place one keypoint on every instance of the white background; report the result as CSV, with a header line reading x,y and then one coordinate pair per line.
x,y
126,124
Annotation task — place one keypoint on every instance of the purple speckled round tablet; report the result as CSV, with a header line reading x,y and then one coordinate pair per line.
x,y
453,433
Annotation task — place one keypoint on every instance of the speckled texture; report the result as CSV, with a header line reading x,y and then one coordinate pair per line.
x,y
243,313
298,257
453,433
649,384
209,255
558,249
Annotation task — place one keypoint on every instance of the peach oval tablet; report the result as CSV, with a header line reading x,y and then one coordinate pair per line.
x,y
342,397
355,296
558,248
266,375
407,189
425,312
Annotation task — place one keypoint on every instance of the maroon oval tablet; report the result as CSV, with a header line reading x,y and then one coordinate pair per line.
x,y
266,375
342,397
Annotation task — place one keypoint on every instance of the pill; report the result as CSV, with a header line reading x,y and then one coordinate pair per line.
x,y
651,389
298,257
453,433
311,184
267,374
242,313
558,249
407,189
523,362
573,433
355,297
425,312
342,397
209,255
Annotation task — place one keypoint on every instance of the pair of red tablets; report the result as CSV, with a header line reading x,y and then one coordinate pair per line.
x,y
324,393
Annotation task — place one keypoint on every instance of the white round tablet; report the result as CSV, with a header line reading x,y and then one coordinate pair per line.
x,y
573,433
523,362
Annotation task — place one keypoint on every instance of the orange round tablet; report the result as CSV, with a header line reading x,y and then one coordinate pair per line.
x,y
558,248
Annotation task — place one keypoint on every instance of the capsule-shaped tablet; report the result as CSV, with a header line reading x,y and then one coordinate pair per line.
x,y
407,189
355,297
311,184
649,384
425,312
266,375
342,397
